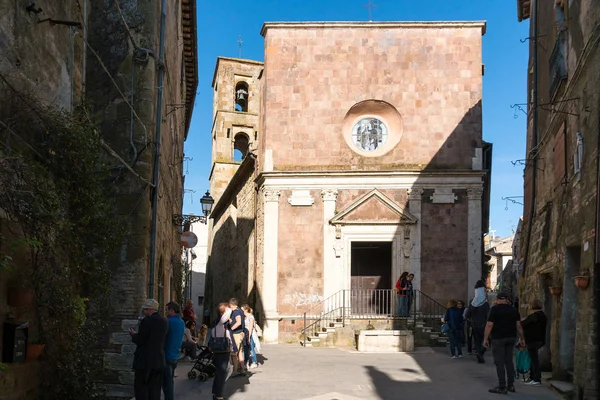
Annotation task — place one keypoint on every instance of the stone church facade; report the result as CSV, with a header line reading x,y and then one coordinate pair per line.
x,y
362,156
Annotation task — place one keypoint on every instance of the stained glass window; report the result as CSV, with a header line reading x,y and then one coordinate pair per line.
x,y
369,134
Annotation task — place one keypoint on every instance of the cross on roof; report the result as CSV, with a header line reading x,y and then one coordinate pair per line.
x,y
240,41
370,6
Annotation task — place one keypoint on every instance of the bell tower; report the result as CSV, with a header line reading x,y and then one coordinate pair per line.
x,y
236,105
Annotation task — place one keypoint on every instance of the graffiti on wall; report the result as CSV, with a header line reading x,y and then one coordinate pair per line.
x,y
298,299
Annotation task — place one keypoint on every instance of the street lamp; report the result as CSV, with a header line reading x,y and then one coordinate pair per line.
x,y
187,219
207,202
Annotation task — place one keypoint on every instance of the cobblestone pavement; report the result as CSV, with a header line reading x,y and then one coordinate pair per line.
x,y
295,373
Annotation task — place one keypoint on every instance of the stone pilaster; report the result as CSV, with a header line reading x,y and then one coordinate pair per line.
x,y
331,273
474,238
270,277
415,196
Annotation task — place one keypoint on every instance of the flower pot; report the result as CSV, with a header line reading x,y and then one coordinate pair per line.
x,y
555,290
18,297
582,282
34,351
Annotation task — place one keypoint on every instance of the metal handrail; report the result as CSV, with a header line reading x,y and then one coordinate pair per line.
x,y
368,304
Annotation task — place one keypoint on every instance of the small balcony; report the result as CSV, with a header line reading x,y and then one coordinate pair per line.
x,y
558,64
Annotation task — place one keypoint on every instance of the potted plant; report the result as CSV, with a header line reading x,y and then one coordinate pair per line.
x,y
582,281
35,347
555,290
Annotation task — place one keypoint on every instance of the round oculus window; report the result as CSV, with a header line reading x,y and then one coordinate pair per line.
x,y
369,134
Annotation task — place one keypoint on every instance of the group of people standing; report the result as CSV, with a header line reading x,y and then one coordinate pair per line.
x,y
500,328
158,340
239,326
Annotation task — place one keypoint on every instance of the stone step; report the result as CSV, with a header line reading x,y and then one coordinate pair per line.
x,y
564,388
323,335
313,339
308,344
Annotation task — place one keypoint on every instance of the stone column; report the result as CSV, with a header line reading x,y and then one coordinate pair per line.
x,y
415,196
270,277
331,277
474,239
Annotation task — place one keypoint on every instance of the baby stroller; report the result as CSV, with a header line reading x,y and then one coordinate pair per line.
x,y
203,367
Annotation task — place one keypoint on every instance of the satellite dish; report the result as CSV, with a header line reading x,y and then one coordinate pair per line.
x,y
189,239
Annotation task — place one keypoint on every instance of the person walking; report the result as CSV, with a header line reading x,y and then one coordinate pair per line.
x,y
454,319
188,312
221,359
237,327
149,356
477,313
534,327
502,327
172,346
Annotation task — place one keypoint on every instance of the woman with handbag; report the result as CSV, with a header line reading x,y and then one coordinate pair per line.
x,y
220,345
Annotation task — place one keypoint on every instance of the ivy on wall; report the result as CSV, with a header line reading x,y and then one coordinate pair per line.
x,y
58,203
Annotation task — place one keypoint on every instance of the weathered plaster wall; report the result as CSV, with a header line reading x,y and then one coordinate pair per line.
x,y
565,207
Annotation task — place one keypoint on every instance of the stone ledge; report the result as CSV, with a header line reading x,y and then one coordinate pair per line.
x,y
121,391
388,341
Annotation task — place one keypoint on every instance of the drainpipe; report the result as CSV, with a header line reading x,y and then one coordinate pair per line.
x,y
161,73
84,49
596,276
534,133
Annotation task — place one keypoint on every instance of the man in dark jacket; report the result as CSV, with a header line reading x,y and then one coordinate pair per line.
x,y
534,327
149,356
478,316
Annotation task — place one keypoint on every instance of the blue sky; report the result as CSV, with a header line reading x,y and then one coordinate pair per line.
x,y
221,22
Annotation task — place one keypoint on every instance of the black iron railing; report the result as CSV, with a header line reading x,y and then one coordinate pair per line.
x,y
558,63
371,304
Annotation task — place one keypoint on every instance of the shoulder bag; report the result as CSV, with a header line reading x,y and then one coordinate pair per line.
x,y
219,344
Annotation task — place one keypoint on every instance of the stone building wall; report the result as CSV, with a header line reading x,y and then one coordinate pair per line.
x,y
444,248
231,266
136,75
314,75
300,255
563,230
26,45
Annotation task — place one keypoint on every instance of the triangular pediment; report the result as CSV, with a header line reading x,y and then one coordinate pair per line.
x,y
373,208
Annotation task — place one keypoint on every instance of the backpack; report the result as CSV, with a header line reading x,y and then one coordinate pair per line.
x,y
523,364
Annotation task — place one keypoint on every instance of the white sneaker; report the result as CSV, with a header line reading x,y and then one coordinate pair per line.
x,y
534,383
454,357
252,366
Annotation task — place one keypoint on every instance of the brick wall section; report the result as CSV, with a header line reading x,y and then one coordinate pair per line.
x,y
572,206
313,76
300,258
444,248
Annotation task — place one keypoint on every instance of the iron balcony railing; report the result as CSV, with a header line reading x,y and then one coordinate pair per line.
x,y
558,63
368,304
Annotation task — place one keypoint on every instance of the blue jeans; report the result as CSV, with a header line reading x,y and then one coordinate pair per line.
x,y
168,375
455,345
402,306
249,352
